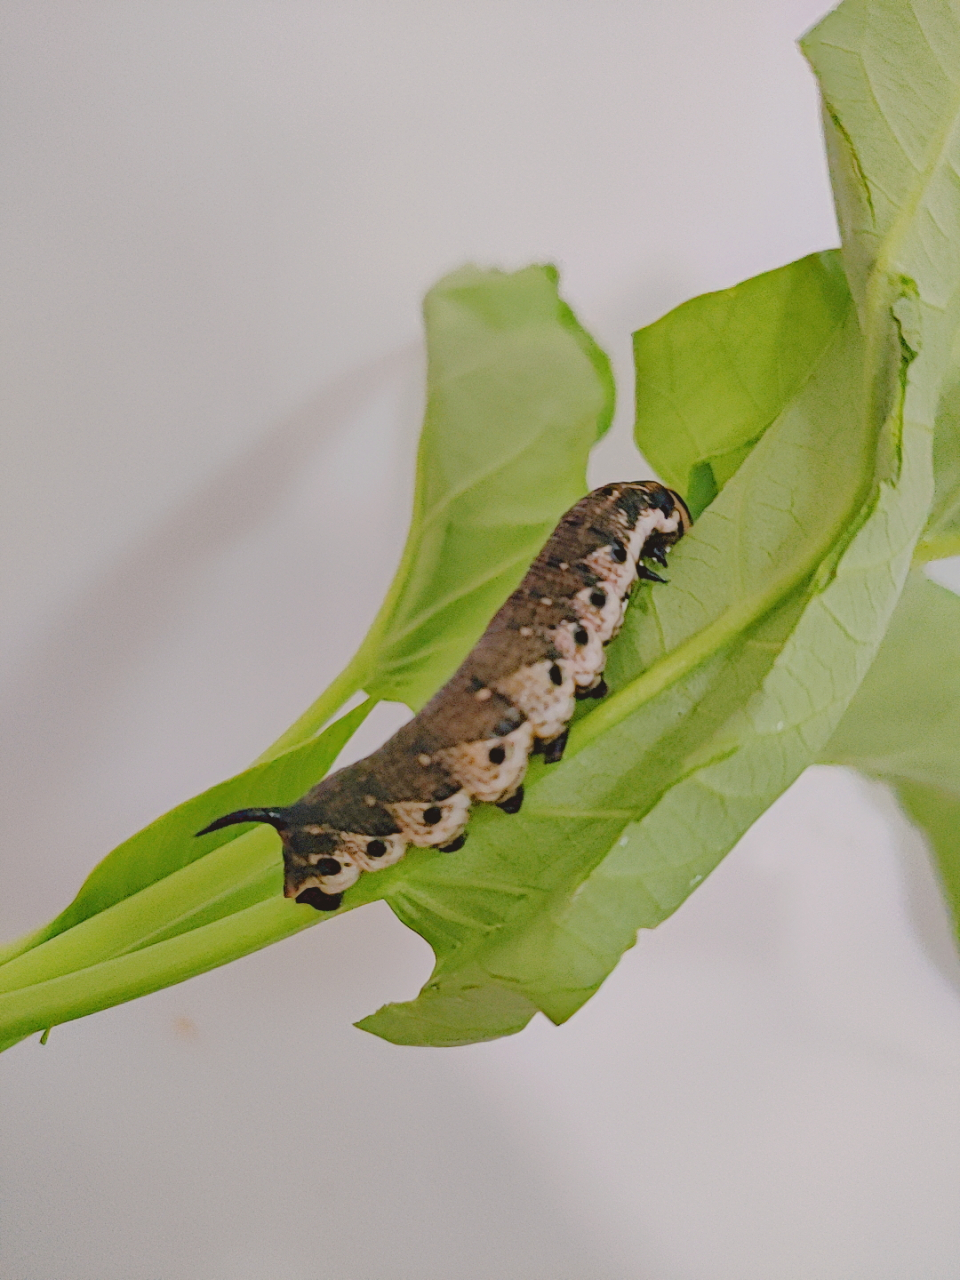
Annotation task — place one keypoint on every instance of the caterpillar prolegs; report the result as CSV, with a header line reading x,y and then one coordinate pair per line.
x,y
512,695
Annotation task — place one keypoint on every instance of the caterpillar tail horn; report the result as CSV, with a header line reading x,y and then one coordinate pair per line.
x,y
274,817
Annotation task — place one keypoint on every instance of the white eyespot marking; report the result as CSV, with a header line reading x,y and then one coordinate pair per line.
x,y
370,801
526,632
585,661
484,695
605,619
563,566
348,875
424,759
547,704
313,829
409,816
546,601
356,845
485,779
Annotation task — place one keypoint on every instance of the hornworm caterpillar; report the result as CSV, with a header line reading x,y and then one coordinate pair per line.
x,y
513,694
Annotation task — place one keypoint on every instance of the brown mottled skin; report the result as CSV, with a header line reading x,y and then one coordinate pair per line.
x,y
513,693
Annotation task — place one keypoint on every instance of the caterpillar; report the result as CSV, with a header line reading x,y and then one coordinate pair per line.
x,y
514,694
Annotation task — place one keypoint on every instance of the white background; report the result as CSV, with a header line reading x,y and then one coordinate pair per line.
x,y
219,220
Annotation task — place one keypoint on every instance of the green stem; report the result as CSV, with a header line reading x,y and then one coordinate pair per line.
x,y
73,995
130,923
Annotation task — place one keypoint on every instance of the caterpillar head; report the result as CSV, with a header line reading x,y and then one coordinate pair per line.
x,y
317,864
671,521
676,513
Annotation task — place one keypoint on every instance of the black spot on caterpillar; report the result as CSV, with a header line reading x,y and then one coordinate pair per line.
x,y
513,694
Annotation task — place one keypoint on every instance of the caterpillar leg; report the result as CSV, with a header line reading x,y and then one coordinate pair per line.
x,y
512,803
648,575
598,690
320,901
554,749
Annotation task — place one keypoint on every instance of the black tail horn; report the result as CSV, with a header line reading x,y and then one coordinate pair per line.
x,y
273,816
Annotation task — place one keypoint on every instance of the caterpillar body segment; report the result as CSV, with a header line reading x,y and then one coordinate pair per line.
x,y
513,694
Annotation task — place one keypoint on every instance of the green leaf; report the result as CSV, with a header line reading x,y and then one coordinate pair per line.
x,y
903,726
713,374
736,678
720,702
518,394
905,719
